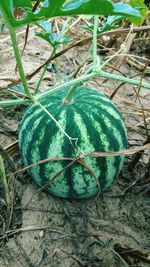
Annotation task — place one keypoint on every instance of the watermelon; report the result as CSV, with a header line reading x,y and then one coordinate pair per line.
x,y
97,124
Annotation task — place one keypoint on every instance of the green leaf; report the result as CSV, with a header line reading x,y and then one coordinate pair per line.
x,y
17,88
108,25
6,9
73,4
111,20
54,39
141,7
53,8
45,26
45,36
22,3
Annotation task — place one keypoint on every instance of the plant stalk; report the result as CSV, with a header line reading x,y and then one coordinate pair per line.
x,y
19,62
69,98
79,80
8,103
87,77
96,18
44,71
12,33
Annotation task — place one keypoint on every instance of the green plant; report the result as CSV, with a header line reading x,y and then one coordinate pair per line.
x,y
66,8
134,11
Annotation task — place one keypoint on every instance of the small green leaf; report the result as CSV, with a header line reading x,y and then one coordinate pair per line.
x,y
44,36
111,20
125,9
17,88
54,39
141,7
108,25
45,26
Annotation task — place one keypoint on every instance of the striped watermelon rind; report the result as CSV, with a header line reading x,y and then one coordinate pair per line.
x,y
98,125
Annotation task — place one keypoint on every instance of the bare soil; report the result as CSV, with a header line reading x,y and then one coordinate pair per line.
x,y
110,230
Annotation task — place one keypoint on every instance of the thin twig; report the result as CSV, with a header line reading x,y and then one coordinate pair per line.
x,y
118,255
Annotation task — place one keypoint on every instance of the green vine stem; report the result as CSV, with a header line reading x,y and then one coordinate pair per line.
x,y
87,77
19,63
41,78
97,72
96,19
79,80
69,98
17,55
14,102
44,71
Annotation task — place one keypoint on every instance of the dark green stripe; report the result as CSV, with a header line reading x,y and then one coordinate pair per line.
x,y
84,91
52,108
43,150
33,108
118,124
50,131
97,103
43,125
35,136
74,131
51,98
113,142
68,150
95,139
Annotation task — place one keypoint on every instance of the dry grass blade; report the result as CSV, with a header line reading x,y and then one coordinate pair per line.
x,y
92,154
142,255
142,76
77,160
129,151
119,256
8,159
4,182
12,148
31,228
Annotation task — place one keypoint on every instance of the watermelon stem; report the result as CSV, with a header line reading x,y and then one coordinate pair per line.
x,y
69,98
96,73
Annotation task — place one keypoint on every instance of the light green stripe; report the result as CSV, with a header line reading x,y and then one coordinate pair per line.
x,y
55,150
114,131
108,108
85,147
110,161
